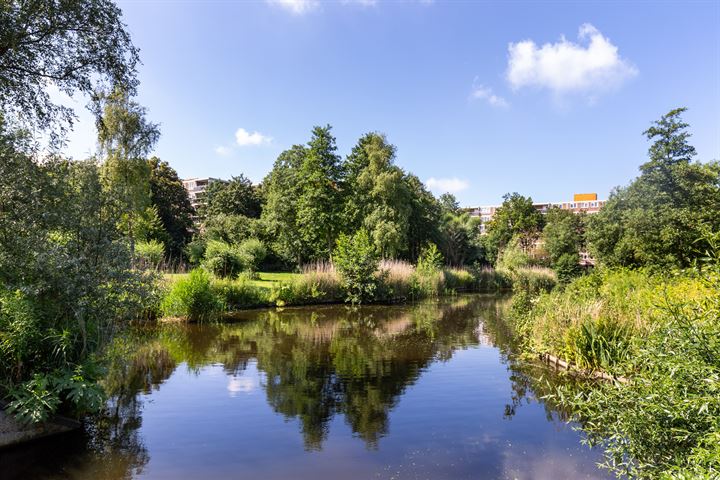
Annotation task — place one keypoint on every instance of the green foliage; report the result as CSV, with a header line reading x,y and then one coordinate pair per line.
x,y
378,197
318,205
238,196
238,294
223,259
459,280
40,47
125,137
462,243
192,297
226,260
664,422
513,258
657,219
428,280
171,202
564,238
357,263
311,196
151,253
598,343
567,267
37,399
516,218
232,229
61,248
430,260
195,251
252,252
533,280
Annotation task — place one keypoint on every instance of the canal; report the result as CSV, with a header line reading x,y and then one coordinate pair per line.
x,y
423,391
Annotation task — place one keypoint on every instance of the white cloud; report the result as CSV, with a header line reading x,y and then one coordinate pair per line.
x,y
446,185
241,385
481,92
223,151
589,66
297,7
362,3
245,138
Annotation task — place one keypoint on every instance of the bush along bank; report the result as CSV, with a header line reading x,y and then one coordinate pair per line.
x,y
356,276
662,333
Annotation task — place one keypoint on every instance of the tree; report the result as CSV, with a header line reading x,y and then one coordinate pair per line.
x,y
171,201
563,238
516,217
125,137
658,219
279,216
236,197
66,282
319,204
378,198
461,242
449,203
74,46
357,262
425,217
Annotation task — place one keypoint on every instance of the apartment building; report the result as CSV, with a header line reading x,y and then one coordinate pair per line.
x,y
581,202
196,187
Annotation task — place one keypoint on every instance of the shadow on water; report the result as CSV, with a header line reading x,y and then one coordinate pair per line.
x,y
314,365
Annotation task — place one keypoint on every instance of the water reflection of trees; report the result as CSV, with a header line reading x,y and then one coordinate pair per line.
x,y
327,361
317,363
322,362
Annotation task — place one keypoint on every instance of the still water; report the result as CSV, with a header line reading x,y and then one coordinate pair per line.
x,y
424,391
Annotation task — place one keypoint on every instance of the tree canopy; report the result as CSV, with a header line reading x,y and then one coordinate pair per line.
x,y
74,46
659,218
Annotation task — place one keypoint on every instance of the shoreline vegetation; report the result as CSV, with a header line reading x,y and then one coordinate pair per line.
x,y
198,295
654,339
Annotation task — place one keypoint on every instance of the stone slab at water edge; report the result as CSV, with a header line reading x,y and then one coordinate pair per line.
x,y
12,432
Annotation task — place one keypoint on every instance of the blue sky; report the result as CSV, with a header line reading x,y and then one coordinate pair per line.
x,y
480,98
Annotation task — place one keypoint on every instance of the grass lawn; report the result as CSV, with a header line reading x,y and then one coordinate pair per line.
x,y
264,280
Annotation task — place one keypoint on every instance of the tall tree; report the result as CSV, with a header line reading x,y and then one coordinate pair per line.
x,y
658,219
171,201
425,217
378,198
516,218
461,242
236,197
125,138
319,205
279,215
75,46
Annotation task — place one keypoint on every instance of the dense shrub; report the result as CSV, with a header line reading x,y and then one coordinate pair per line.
x,y
223,259
665,422
195,251
192,297
66,280
149,254
357,263
252,253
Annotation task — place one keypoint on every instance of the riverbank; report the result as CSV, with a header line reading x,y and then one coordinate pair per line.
x,y
660,333
199,296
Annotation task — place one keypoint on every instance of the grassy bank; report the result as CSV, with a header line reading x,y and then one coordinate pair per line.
x,y
660,331
199,295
